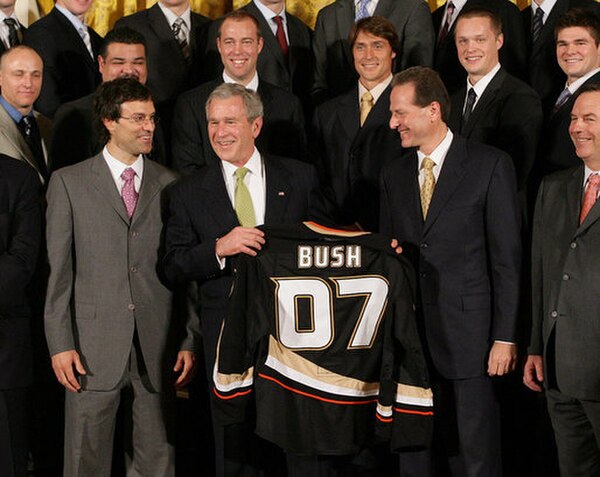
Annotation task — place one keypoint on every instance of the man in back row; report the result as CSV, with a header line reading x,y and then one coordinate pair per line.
x,y
239,42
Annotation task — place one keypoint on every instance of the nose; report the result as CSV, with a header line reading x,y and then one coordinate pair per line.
x,y
393,122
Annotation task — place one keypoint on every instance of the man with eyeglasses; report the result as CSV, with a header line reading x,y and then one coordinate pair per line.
x,y
108,315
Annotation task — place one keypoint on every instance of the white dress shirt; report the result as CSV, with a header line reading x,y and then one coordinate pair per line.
x,y
117,167
438,156
481,85
252,85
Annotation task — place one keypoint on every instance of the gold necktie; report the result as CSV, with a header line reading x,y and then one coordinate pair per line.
x,y
428,185
244,208
366,104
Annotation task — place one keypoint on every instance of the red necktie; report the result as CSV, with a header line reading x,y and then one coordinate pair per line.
x,y
589,198
446,28
280,34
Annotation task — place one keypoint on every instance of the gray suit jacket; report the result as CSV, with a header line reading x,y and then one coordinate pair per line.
x,y
565,278
104,282
13,144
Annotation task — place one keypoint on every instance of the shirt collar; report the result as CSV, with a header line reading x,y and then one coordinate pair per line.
x,y
483,83
117,167
13,16
376,91
13,112
575,85
253,85
254,165
439,153
546,7
75,21
268,13
171,17
587,173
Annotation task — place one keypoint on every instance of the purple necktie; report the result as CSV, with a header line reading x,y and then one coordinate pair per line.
x,y
128,192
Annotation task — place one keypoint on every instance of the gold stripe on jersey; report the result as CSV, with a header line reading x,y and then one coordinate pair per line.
x,y
414,395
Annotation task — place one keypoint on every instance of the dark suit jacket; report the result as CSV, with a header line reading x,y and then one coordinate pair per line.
x,y
282,132
70,72
293,73
545,76
566,273
557,151
168,72
349,157
507,116
75,135
512,53
334,63
201,212
20,236
467,252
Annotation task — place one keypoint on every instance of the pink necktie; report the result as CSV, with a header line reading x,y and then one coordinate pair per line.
x,y
128,192
589,198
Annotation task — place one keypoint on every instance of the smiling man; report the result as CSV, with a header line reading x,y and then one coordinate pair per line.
x,y
564,352
108,315
74,136
493,107
213,215
452,205
23,131
239,43
350,134
578,55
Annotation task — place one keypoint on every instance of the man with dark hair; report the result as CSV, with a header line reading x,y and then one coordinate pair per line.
x,y
493,107
20,236
540,19
351,136
563,351
69,49
239,42
333,73
74,132
512,54
213,215
23,131
452,205
108,314
578,56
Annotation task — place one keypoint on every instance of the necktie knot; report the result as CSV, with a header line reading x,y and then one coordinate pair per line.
x,y
26,125
428,164
240,173
590,196
128,174
179,28
594,179
366,104
563,97
363,10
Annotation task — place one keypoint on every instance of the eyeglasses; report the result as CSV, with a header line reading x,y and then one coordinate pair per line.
x,y
140,119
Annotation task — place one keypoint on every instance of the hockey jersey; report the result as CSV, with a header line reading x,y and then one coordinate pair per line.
x,y
321,329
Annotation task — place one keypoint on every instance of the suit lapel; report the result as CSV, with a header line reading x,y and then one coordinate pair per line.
x,y
270,42
450,177
149,188
345,20
218,203
10,131
162,29
278,190
75,38
482,106
105,184
547,31
409,182
384,8
348,113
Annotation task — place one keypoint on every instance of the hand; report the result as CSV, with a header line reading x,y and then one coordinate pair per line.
x,y
533,372
396,246
503,359
185,366
62,364
240,240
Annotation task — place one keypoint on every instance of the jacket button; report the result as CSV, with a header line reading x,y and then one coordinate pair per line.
x,y
554,314
423,274
565,277
133,269
573,245
131,306
424,245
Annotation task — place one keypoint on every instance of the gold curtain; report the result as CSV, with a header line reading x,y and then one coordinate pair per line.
x,y
104,13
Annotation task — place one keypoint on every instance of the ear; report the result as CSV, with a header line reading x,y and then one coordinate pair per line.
x,y
257,126
219,44
500,41
110,124
101,64
435,111
260,44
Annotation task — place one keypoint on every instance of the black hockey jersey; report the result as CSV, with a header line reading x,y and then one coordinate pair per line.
x,y
321,326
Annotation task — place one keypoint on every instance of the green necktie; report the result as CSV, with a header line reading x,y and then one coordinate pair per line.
x,y
243,202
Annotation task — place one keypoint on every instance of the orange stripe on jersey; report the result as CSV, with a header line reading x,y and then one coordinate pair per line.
x,y
410,411
222,396
313,396
315,227
384,419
